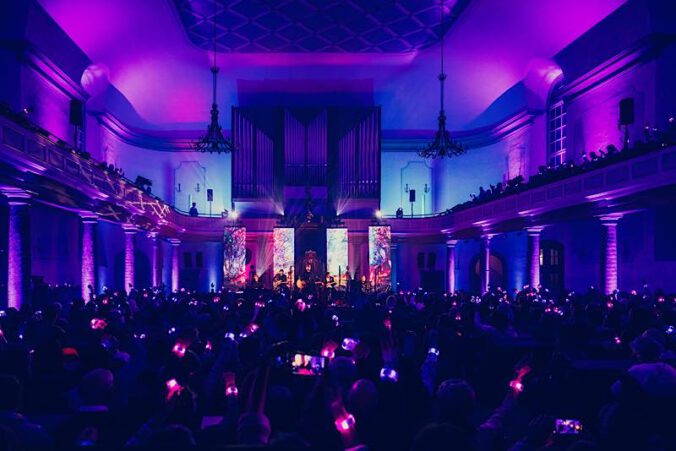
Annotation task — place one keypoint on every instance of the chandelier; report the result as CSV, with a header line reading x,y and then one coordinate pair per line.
x,y
443,145
214,140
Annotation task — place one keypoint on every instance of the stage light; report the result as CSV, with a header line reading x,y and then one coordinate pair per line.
x,y
234,214
379,214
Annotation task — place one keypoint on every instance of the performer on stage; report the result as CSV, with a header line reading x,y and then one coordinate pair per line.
x,y
255,282
307,281
279,280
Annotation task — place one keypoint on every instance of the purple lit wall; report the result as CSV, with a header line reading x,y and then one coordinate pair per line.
x,y
18,254
88,256
55,250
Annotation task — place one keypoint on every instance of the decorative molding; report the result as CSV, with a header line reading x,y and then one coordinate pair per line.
x,y
641,51
37,60
472,139
145,139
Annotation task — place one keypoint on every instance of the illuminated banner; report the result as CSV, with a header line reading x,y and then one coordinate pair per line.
x,y
380,267
283,242
234,256
336,251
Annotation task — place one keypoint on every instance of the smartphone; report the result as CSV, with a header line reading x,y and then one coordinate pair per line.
x,y
230,384
173,387
568,426
307,365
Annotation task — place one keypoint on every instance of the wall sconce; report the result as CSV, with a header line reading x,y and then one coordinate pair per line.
x,y
406,188
427,189
178,188
197,188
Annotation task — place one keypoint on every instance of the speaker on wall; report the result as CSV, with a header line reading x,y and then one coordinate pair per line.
x,y
431,260
411,195
210,195
76,113
627,111
421,260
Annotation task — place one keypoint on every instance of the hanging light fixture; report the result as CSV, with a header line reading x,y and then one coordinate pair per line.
x,y
214,140
443,145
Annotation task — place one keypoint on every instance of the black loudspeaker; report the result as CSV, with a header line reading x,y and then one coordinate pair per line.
x,y
421,260
411,195
76,113
187,260
210,195
431,260
199,260
627,111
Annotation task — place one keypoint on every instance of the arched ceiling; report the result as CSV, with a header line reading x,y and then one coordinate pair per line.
x,y
291,26
164,76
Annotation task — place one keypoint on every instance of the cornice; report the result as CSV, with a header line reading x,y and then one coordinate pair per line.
x,y
641,51
52,73
141,138
472,139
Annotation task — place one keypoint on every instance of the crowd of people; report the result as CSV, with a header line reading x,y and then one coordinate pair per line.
x,y
653,139
519,371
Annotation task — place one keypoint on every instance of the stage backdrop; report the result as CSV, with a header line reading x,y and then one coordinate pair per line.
x,y
380,271
234,256
336,251
283,242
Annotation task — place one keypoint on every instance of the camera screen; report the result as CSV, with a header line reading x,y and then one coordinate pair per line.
x,y
307,365
568,427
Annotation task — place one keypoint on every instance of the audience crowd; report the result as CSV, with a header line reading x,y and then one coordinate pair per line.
x,y
514,371
654,140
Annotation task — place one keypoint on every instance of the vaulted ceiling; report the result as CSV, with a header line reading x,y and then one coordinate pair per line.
x,y
291,26
161,67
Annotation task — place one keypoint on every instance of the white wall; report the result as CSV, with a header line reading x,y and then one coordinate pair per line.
x,y
160,166
401,168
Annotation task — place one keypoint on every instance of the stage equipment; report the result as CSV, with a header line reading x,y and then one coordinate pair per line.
x,y
380,265
283,248
234,256
336,251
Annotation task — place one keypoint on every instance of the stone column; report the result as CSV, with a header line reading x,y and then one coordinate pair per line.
x,y
129,250
485,264
88,280
450,264
156,276
609,258
394,259
19,248
534,260
175,267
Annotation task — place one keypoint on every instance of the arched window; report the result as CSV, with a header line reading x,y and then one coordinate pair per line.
x,y
556,129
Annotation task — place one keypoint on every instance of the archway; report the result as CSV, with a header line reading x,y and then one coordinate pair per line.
x,y
498,273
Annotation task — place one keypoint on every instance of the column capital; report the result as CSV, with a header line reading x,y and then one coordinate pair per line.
x,y
14,195
153,234
174,241
88,217
129,229
534,230
450,242
610,220
488,236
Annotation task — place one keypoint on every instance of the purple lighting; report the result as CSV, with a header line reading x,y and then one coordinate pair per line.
x,y
175,268
610,253
18,264
88,257
129,232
